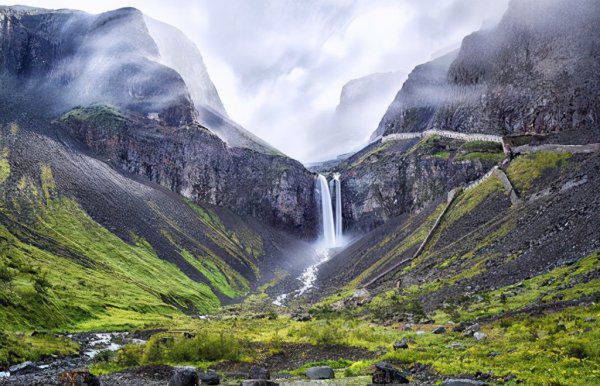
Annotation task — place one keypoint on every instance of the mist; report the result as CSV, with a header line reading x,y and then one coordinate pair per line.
x,y
279,67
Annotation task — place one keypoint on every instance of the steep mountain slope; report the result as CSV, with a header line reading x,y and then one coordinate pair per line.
x,y
98,141
58,60
537,71
462,238
181,54
70,218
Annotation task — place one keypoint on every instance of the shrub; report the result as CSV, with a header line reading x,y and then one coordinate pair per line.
x,y
130,355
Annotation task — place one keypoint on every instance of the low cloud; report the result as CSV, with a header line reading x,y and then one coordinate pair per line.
x,y
279,66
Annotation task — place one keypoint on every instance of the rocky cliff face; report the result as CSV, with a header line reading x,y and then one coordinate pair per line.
x,y
194,162
78,59
53,61
389,179
537,71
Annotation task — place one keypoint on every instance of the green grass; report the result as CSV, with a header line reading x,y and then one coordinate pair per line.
x,y
552,349
19,347
79,276
490,157
524,170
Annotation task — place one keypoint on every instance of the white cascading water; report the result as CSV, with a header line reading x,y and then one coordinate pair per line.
x,y
326,213
332,235
338,208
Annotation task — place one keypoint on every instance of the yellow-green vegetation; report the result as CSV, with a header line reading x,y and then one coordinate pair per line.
x,y
402,245
242,241
97,280
524,170
217,278
18,347
567,282
374,152
4,165
557,348
14,128
93,113
466,202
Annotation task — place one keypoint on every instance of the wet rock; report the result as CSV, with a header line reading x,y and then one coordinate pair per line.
x,y
320,372
401,344
387,374
439,330
78,377
463,382
209,378
258,382
185,376
480,336
257,372
23,368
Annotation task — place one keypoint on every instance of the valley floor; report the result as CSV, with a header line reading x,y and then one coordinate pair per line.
x,y
544,346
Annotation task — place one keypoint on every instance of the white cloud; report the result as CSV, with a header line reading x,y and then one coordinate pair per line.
x,y
280,65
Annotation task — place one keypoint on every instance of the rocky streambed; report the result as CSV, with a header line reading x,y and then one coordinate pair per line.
x,y
49,370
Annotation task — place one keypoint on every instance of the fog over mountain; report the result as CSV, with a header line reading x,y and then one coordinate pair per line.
x,y
279,67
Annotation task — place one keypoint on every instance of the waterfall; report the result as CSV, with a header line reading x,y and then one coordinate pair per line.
x,y
326,212
338,208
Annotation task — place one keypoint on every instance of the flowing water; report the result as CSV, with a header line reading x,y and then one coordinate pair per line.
x,y
326,212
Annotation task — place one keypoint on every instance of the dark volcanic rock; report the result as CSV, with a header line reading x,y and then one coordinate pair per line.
x,y
184,377
401,344
257,372
192,161
387,180
209,378
321,372
49,64
537,71
387,374
258,382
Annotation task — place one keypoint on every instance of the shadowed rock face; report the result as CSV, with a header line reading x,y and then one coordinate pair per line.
x,y
78,59
387,180
537,71
194,162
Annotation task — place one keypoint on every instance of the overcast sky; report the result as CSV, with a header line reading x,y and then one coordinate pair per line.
x,y
279,65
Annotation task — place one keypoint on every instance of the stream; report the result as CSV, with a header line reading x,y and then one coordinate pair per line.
x,y
307,278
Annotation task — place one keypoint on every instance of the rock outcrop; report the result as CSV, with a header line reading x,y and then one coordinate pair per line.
x,y
55,61
538,71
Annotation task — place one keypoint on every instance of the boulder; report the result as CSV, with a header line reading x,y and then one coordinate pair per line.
x,y
439,330
22,368
472,329
257,372
400,344
209,378
479,336
463,382
184,376
77,377
258,382
387,374
320,372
